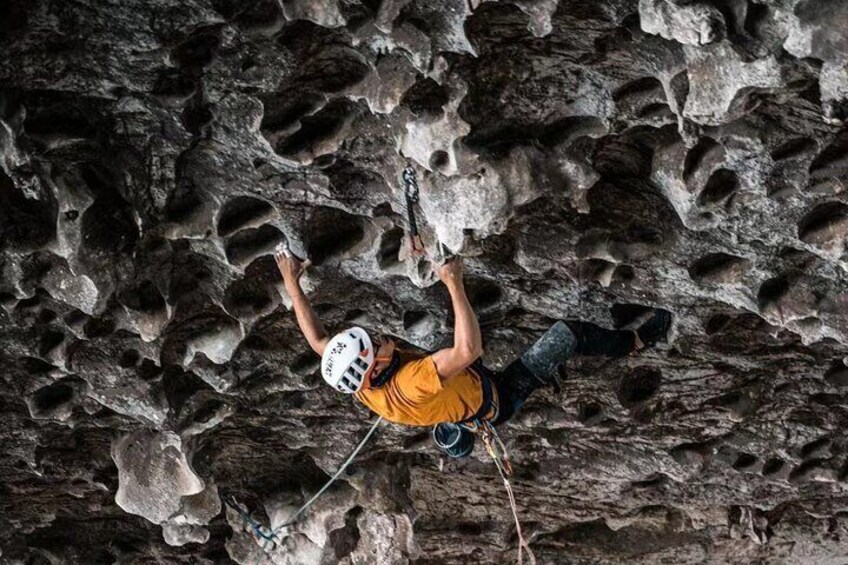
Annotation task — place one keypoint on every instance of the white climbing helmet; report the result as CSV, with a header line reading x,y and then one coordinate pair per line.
x,y
347,359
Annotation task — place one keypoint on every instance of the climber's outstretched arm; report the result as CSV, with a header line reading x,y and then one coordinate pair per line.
x,y
313,331
467,341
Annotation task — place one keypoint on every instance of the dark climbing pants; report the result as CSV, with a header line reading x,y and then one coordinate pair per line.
x,y
516,382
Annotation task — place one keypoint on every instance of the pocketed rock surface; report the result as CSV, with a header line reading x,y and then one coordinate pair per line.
x,y
589,159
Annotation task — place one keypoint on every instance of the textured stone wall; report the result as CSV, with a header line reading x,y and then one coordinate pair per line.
x,y
589,159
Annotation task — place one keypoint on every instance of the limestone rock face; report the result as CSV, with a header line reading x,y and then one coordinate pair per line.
x,y
588,159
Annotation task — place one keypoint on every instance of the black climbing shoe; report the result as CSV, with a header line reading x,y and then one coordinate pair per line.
x,y
655,329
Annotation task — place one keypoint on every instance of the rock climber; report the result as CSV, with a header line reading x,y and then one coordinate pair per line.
x,y
450,389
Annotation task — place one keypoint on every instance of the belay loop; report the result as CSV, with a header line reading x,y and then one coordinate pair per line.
x,y
497,450
410,183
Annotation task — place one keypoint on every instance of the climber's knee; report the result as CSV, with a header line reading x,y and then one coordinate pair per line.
x,y
550,351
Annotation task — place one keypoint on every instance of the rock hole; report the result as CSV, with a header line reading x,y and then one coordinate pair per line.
x,y
439,160
243,212
419,323
259,17
58,118
305,364
25,224
129,358
332,70
355,316
144,298
248,298
744,461
148,370
756,17
13,17
246,245
185,207
706,149
330,233
49,398
36,366
825,224
629,314
472,529
45,316
771,291
196,115
315,129
344,540
812,470
49,342
652,481
98,327
282,112
721,184
390,244
716,324
655,110
719,268
199,49
623,274
590,413
833,161
794,148
773,466
426,96
837,375
638,88
690,454
174,83
324,161
108,224
483,294
639,386
818,448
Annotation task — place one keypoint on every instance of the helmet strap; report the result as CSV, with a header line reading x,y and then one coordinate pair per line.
x,y
388,372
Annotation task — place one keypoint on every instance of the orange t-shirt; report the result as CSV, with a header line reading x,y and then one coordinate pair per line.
x,y
416,396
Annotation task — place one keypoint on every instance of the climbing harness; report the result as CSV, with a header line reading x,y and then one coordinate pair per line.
x,y
411,192
497,450
269,535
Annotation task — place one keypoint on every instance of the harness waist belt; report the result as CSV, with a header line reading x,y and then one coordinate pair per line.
x,y
489,403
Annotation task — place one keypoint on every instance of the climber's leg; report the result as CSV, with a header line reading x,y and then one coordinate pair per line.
x,y
538,366
596,341
535,368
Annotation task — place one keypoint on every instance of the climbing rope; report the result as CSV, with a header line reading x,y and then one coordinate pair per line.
x,y
269,535
497,450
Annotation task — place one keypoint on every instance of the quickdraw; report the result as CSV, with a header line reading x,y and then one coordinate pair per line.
x,y
411,192
269,535
497,450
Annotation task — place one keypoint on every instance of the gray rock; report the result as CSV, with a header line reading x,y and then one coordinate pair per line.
x,y
589,160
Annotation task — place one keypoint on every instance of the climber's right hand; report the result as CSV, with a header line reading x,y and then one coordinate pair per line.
x,y
450,273
291,269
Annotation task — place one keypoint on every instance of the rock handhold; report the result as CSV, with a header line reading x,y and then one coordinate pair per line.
x,y
154,475
722,82
719,268
684,21
826,227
